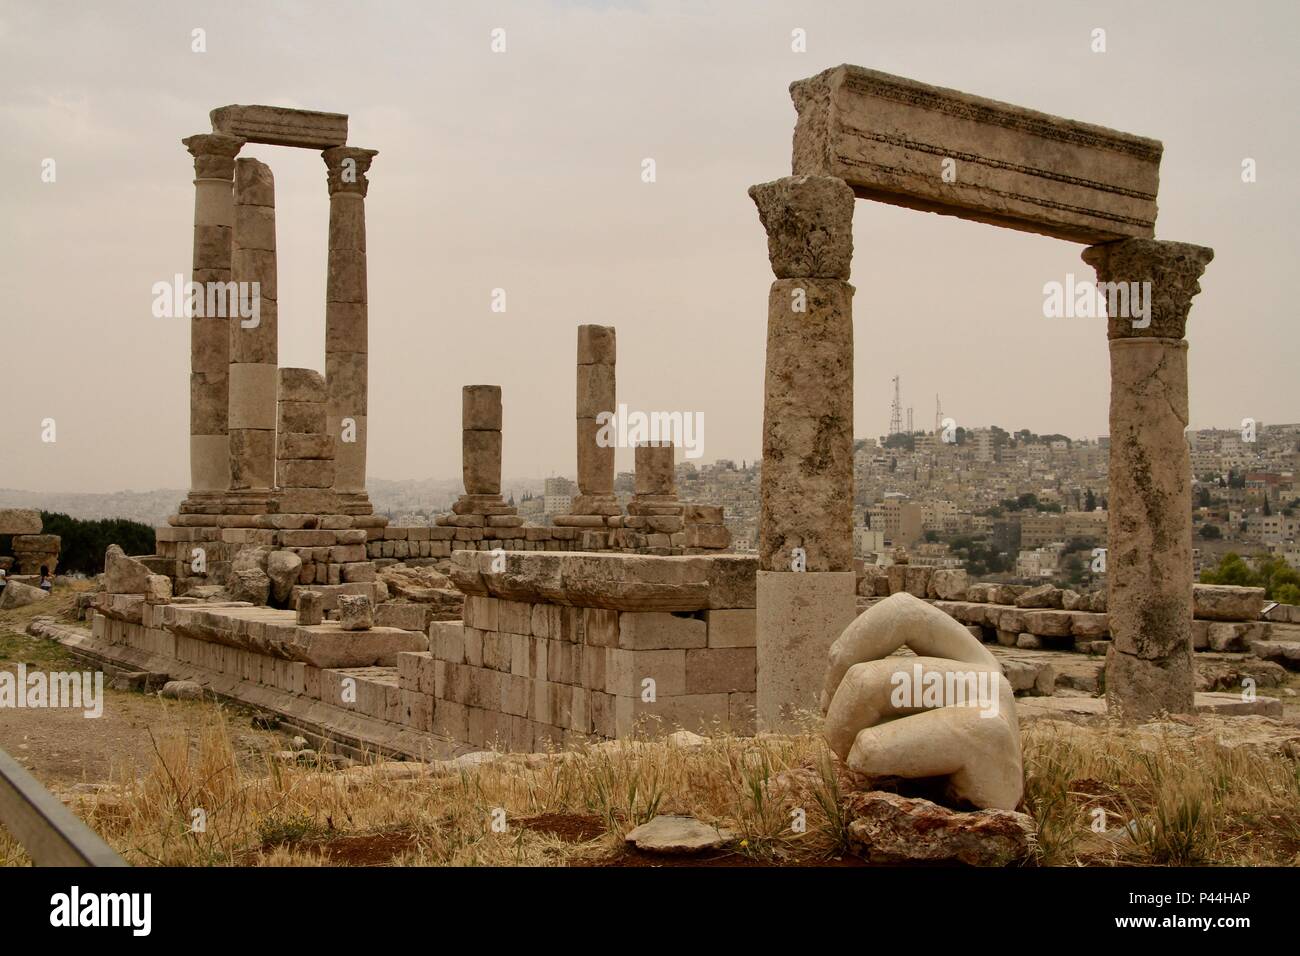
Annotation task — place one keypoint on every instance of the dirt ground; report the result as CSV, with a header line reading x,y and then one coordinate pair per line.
x,y
67,751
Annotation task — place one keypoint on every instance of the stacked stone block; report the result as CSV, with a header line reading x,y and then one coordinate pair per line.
x,y
253,344
806,585
595,503
34,551
304,449
481,506
632,646
346,320
214,171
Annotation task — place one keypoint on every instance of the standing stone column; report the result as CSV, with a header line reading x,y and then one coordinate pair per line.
x,y
253,340
595,503
1149,559
346,322
480,438
304,451
805,586
214,174
481,505
654,515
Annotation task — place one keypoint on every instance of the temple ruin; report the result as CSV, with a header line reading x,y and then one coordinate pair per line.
x,y
586,629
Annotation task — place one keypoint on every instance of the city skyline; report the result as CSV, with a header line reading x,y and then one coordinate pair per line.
x,y
476,187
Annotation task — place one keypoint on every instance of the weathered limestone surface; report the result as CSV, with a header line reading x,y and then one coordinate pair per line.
x,y
1149,563
1227,602
888,137
481,439
276,634
595,394
889,829
805,593
625,582
36,551
254,348
346,322
965,732
20,521
655,469
799,616
281,126
356,612
304,451
808,389
123,574
214,171
17,594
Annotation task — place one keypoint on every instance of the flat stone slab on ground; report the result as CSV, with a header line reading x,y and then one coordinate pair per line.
x,y
276,633
671,833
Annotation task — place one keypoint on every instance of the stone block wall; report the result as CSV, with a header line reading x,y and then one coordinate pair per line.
x,y
631,644
554,649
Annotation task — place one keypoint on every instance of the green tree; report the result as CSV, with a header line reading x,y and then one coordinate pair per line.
x,y
1211,532
82,543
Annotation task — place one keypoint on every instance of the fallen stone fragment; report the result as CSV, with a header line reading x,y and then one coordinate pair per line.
x,y
283,567
1227,602
890,828
251,585
182,690
356,612
17,594
672,833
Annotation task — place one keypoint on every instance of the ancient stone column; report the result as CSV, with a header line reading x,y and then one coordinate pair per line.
x,y
805,585
656,474
253,338
654,515
346,329
1149,558
214,173
481,440
304,450
481,505
595,502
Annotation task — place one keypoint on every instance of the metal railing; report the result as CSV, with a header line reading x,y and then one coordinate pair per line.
x,y
49,832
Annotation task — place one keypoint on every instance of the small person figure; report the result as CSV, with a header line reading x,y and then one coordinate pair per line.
x,y
46,583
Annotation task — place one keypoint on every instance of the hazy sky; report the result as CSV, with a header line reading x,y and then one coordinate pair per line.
x,y
521,170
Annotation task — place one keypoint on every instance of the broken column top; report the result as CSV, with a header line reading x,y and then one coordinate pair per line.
x,y
281,126
302,385
925,147
596,345
809,223
480,407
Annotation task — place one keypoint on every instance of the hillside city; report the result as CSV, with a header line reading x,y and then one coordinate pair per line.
x,y
1006,506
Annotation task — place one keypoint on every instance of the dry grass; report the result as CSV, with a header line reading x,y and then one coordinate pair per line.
x,y
1186,800
1191,801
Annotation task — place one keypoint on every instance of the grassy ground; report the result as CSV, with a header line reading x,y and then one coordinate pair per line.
x,y
1170,795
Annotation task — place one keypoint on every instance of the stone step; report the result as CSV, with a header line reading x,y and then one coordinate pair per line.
x,y
1286,653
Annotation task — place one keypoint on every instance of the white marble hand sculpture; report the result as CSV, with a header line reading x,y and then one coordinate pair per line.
x,y
948,712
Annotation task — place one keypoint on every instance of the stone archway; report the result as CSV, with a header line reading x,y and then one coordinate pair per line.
x,y
865,134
